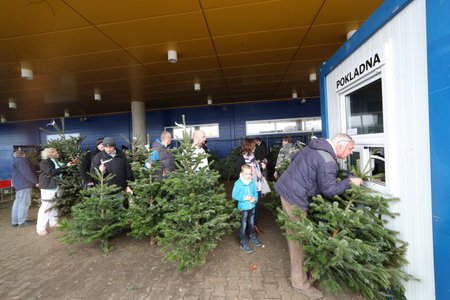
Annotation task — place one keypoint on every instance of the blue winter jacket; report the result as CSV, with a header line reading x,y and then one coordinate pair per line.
x,y
240,190
23,174
312,171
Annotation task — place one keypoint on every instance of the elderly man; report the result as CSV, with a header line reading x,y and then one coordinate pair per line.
x,y
312,171
199,139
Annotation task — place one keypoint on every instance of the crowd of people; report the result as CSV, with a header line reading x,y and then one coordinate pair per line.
x,y
312,171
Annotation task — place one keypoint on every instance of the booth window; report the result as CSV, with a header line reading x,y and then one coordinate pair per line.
x,y
211,130
283,126
365,109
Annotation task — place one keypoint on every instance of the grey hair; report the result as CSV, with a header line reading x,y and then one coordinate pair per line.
x,y
45,154
341,137
165,135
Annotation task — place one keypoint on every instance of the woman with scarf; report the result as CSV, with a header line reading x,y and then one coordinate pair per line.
x,y
247,157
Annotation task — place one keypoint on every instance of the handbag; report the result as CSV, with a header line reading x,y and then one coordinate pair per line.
x,y
265,188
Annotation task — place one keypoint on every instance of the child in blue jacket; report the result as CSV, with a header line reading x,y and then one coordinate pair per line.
x,y
244,192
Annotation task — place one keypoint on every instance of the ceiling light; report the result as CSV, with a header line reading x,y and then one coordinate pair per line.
x,y
197,87
350,33
312,77
209,102
66,113
172,56
302,101
97,95
26,71
294,94
3,118
12,103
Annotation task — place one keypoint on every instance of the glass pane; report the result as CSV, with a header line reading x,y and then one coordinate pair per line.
x,y
288,126
211,131
365,109
313,125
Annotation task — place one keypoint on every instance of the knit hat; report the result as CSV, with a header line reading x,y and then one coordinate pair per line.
x,y
109,142
99,141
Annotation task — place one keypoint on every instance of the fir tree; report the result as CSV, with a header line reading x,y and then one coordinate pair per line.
x,y
348,246
99,217
70,184
195,210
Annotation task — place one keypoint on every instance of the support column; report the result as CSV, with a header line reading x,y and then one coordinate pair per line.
x,y
139,125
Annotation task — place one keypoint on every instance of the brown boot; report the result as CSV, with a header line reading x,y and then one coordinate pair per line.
x,y
258,230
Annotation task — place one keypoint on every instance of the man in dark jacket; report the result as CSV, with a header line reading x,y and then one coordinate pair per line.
x,y
162,155
112,161
23,179
87,161
312,171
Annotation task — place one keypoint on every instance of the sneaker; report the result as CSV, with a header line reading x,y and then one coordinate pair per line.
x,y
255,241
25,224
246,248
14,225
310,292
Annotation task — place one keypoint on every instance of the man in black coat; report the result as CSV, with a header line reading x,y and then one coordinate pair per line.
x,y
87,161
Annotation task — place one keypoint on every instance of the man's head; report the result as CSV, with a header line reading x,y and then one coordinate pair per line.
x,y
199,138
343,145
166,138
99,144
109,145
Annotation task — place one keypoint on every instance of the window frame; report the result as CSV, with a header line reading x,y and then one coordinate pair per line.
x,y
192,128
303,120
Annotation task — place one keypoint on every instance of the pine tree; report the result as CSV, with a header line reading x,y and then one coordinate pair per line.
x,y
100,216
348,246
196,213
70,184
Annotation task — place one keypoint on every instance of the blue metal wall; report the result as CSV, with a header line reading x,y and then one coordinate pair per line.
x,y
438,40
231,119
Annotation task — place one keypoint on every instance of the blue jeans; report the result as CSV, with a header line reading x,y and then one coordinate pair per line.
x,y
19,212
247,219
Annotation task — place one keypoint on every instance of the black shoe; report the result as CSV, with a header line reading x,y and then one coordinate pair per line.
x,y
255,241
246,248
14,225
25,224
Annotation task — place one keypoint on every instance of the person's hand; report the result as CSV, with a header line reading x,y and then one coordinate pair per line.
x,y
356,181
102,167
90,184
71,163
275,175
129,190
247,198
253,200
263,165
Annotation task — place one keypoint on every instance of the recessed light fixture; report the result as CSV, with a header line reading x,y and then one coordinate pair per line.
x,y
209,100
12,103
66,113
3,118
312,77
26,71
294,94
172,56
303,101
97,95
197,87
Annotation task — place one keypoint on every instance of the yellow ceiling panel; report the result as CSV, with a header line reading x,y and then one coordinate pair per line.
x,y
191,77
207,4
309,66
264,78
335,11
185,50
108,11
96,60
187,65
64,43
327,34
258,69
135,71
257,58
261,16
263,40
157,30
36,17
319,52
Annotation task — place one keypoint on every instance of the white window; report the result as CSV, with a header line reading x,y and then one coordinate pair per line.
x,y
362,111
211,130
283,126
52,137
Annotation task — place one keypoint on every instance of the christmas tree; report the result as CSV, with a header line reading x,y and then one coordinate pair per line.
x,y
70,184
100,216
194,209
348,246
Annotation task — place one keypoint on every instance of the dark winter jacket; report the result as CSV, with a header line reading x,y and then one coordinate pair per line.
x,y
261,151
23,174
47,178
312,171
86,165
165,157
117,165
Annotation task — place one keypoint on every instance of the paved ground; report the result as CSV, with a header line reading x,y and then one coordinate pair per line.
x,y
34,267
